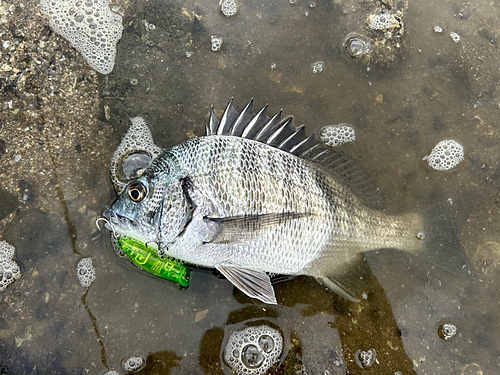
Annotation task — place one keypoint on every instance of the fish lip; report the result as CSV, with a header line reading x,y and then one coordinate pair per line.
x,y
115,223
115,219
107,213
122,226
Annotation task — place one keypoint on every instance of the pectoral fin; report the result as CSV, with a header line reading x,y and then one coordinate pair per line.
x,y
255,284
243,228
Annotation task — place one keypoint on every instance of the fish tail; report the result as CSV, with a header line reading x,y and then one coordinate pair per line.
x,y
443,223
403,232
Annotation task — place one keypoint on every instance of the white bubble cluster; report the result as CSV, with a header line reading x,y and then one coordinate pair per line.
x,y
438,29
139,141
446,155
134,363
383,21
365,359
85,272
90,26
112,372
455,37
336,135
216,43
228,7
253,350
447,331
317,67
9,269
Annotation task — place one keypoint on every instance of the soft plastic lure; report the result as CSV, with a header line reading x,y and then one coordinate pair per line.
x,y
147,259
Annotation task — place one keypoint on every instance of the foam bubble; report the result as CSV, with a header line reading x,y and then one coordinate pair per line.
x,y
134,363
9,269
455,37
447,331
383,21
317,67
132,155
253,350
216,43
90,26
446,155
365,359
85,272
336,135
228,7
112,372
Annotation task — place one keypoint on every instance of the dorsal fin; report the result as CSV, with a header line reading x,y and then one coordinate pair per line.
x,y
348,170
243,119
256,124
260,127
297,136
268,128
213,122
228,119
280,134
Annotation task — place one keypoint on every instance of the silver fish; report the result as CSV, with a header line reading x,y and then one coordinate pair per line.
x,y
255,197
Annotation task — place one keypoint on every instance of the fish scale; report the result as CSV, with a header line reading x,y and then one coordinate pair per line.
x,y
251,208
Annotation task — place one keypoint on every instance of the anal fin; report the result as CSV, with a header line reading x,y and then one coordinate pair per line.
x,y
337,287
255,284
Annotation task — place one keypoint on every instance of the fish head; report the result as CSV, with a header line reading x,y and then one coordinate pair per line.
x,y
136,212
153,208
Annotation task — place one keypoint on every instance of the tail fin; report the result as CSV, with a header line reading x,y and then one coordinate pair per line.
x,y
432,237
442,225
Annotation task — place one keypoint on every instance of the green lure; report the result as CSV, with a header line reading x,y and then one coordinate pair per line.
x,y
147,259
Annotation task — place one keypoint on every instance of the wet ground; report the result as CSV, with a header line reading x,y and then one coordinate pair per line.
x,y
60,122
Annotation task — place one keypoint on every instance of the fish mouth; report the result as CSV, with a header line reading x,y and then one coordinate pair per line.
x,y
121,226
114,218
113,222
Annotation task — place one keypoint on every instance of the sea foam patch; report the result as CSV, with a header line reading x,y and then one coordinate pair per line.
x,y
90,26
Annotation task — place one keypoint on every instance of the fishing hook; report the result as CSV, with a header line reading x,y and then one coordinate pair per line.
x,y
106,221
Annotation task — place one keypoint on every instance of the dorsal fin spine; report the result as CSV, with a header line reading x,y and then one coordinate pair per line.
x,y
292,140
256,123
213,123
310,150
269,127
228,118
242,120
284,131
304,145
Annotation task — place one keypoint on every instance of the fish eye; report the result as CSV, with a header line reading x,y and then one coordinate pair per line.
x,y
137,192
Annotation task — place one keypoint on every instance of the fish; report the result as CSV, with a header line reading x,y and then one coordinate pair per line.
x,y
254,197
